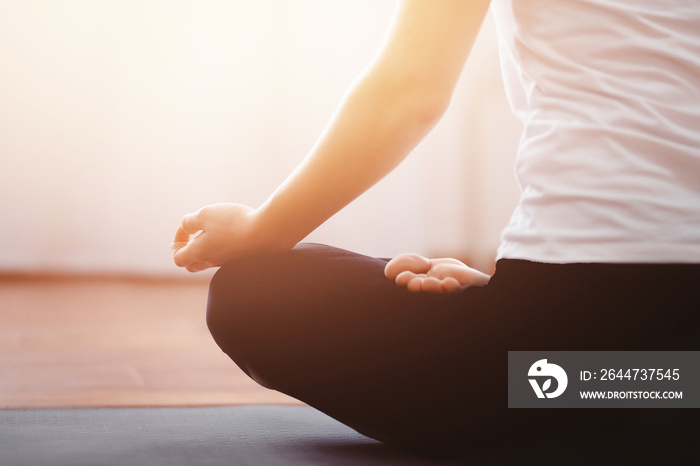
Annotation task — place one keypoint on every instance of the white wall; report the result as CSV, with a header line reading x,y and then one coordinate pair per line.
x,y
118,117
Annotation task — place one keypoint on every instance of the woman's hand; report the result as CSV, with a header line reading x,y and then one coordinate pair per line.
x,y
419,274
215,234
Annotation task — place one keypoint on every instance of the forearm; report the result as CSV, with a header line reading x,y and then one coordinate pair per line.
x,y
375,128
383,117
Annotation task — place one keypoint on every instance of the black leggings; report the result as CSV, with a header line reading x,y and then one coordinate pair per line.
x,y
430,371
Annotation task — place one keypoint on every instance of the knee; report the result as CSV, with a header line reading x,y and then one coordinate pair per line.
x,y
238,318
237,292
243,292
220,298
226,314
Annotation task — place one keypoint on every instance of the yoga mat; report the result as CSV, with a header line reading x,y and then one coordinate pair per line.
x,y
239,435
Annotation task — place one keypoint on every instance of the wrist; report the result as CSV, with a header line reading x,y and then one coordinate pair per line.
x,y
267,237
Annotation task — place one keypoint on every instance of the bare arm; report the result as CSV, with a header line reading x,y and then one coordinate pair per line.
x,y
382,118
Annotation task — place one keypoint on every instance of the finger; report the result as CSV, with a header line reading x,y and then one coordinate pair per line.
x,y
197,267
424,284
406,262
414,286
403,278
450,285
181,258
181,236
431,285
448,260
176,246
189,254
192,223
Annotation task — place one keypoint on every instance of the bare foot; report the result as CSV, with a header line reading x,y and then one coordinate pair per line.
x,y
419,274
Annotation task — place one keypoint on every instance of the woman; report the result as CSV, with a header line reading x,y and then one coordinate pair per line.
x,y
601,253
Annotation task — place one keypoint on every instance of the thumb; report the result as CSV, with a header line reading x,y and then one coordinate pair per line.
x,y
408,262
186,254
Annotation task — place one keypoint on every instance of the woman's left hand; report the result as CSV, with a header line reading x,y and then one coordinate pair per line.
x,y
419,274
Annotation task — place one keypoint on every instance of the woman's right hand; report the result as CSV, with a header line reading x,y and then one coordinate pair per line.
x,y
214,235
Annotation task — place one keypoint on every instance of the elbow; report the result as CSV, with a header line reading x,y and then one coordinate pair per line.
x,y
425,108
434,109
422,105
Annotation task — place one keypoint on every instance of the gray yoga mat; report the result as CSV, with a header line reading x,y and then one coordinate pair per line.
x,y
242,435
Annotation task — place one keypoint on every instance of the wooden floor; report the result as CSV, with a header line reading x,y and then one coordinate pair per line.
x,y
95,341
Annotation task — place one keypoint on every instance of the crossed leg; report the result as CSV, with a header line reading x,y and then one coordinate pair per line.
x,y
429,370
327,327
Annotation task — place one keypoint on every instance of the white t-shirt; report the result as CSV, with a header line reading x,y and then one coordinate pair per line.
x,y
608,92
